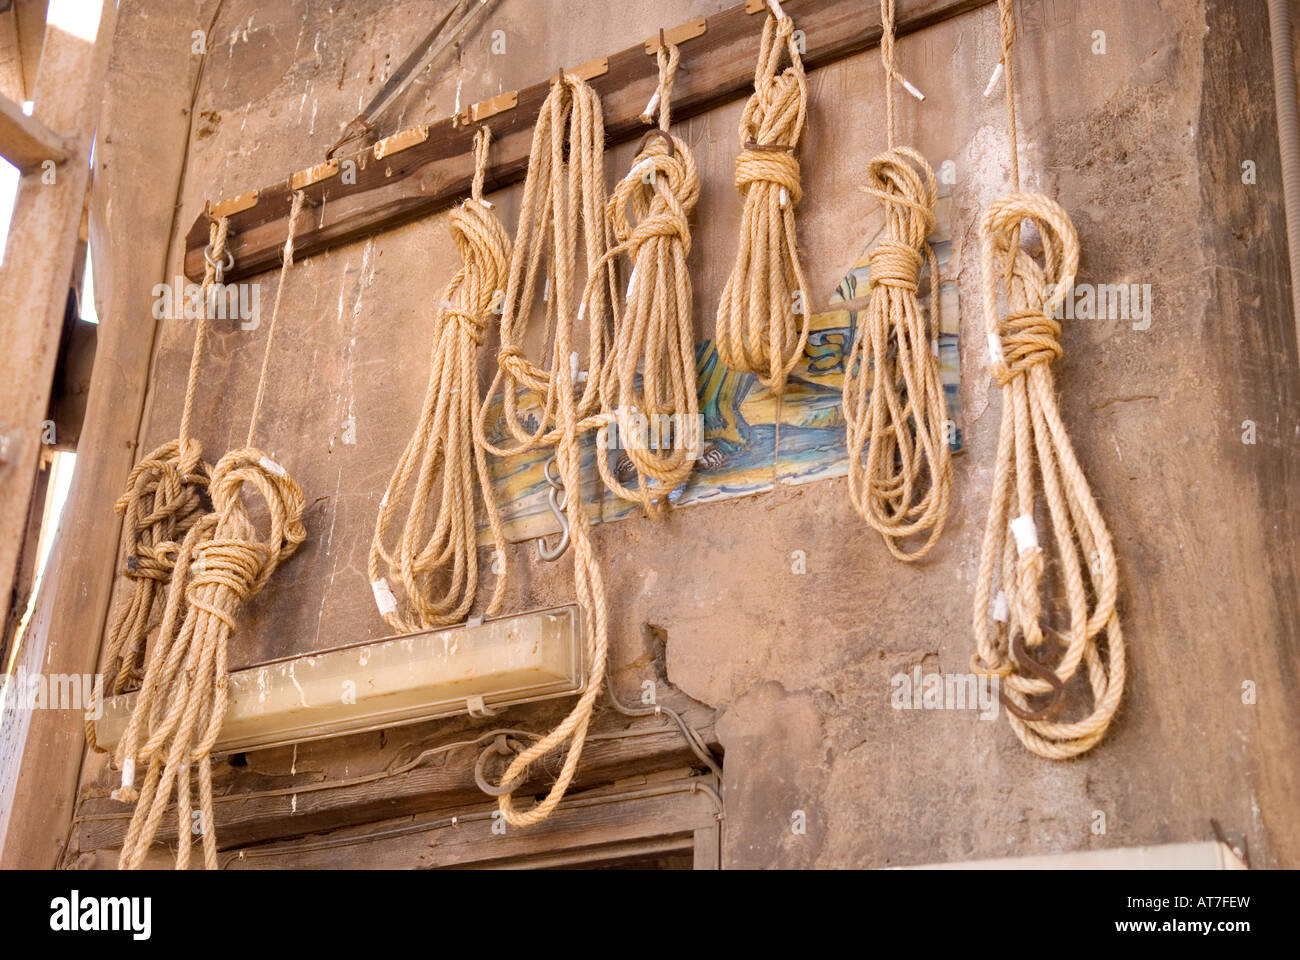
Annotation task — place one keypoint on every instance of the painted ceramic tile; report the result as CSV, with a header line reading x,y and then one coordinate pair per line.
x,y
739,450
519,481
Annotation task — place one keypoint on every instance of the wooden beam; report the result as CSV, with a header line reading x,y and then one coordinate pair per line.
x,y
244,818
25,141
40,257
145,107
393,187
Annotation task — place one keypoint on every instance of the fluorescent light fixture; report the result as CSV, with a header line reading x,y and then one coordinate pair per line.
x,y
476,668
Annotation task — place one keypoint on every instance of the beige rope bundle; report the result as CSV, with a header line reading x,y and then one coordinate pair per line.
x,y
756,327
563,201
560,198
893,397
160,504
1033,445
222,562
655,332
444,451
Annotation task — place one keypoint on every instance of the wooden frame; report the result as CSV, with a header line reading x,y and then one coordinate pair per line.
x,y
427,167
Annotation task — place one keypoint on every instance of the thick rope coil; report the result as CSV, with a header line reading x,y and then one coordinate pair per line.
x,y
445,452
161,502
1033,443
757,330
561,196
220,564
655,333
893,397
1031,432
563,202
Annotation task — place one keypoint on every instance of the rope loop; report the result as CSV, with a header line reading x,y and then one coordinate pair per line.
x,y
442,475
764,315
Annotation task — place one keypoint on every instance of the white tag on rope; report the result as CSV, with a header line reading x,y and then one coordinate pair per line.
x,y
1000,609
271,466
636,168
128,773
384,502
1026,533
785,197
546,290
993,80
650,107
907,85
384,598
631,282
573,366
775,6
995,350
487,204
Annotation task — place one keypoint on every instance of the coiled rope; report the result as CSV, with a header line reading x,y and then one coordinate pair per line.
x,y
1023,343
162,502
445,451
893,397
655,333
756,330
221,563
560,197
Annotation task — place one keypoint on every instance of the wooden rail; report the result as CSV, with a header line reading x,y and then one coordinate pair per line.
x,y
427,167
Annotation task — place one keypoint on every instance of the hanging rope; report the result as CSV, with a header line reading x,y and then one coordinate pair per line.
x,y
757,331
162,501
444,451
561,197
893,397
564,201
1023,344
655,331
222,562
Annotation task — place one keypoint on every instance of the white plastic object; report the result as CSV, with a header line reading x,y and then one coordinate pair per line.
x,y
398,680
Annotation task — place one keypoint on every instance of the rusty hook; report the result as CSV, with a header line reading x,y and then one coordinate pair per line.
x,y
1030,665
656,132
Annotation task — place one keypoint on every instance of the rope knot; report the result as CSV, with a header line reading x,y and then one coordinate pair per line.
x,y
777,168
1029,337
895,264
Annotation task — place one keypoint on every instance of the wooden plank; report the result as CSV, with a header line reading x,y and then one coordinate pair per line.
x,y
438,170
658,818
147,108
11,64
40,256
244,819
25,141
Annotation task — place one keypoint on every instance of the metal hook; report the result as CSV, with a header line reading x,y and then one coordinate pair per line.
x,y
218,268
1030,665
557,497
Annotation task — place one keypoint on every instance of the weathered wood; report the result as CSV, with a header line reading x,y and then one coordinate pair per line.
x,y
29,550
439,784
660,817
145,124
436,171
25,141
33,287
